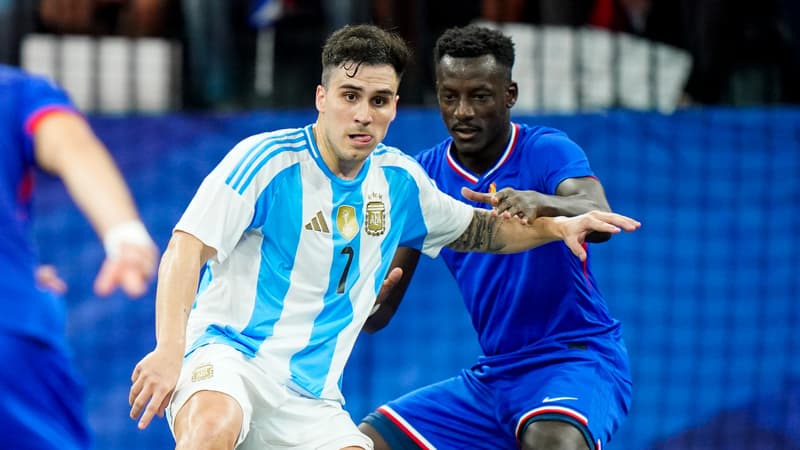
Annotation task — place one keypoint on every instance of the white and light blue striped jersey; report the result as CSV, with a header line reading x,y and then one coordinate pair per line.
x,y
301,253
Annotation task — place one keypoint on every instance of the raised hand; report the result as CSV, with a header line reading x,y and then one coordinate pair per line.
x,y
131,270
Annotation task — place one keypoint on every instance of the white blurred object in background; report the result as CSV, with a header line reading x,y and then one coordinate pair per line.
x,y
109,74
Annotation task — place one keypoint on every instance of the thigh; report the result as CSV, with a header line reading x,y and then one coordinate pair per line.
x,y
41,397
575,386
456,413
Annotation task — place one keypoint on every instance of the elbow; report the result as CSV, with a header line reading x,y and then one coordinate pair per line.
x,y
377,321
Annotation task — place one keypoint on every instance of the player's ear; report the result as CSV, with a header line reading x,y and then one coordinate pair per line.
x,y
320,98
512,92
394,112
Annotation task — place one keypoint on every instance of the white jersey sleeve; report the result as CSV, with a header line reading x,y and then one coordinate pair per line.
x,y
224,205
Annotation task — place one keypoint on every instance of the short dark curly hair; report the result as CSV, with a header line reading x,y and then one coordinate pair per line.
x,y
472,41
354,45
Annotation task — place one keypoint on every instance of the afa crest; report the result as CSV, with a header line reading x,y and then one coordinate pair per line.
x,y
375,217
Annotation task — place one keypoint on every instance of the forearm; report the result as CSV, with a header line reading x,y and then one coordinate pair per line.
x,y
178,277
97,187
569,206
67,147
492,234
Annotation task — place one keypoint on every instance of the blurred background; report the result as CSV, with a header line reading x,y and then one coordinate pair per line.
x,y
687,110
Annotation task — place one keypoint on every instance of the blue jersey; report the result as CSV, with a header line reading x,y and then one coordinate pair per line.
x,y
558,300
301,253
24,309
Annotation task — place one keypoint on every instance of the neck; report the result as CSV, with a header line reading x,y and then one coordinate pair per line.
x,y
341,168
481,161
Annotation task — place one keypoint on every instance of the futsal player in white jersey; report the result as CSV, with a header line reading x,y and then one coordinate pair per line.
x,y
276,263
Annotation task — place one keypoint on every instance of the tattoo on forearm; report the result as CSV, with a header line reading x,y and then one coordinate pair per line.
x,y
480,235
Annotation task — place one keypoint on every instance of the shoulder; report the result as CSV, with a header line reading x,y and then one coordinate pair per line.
x,y
394,160
13,77
30,85
255,152
542,135
277,138
539,140
392,156
270,143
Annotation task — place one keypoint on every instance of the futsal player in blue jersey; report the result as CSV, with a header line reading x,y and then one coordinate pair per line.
x,y
554,371
41,401
294,232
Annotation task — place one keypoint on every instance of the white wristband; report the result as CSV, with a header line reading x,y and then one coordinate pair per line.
x,y
132,232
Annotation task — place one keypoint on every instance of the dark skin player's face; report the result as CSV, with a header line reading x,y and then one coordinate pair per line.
x,y
475,98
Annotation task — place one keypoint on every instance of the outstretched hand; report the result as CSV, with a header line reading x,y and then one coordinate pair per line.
x,y
131,270
575,229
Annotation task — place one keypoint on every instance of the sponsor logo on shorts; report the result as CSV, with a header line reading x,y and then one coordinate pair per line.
x,y
202,372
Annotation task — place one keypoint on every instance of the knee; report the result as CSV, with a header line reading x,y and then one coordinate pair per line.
x,y
206,433
199,425
553,435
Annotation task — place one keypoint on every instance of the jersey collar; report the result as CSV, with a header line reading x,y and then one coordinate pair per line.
x,y
471,177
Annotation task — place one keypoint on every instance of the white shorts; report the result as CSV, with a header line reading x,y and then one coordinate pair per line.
x,y
274,416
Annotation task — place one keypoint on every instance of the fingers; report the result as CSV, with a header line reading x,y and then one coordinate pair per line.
x,y
136,389
104,283
47,278
153,409
576,248
133,283
131,271
147,399
479,197
164,403
393,277
504,204
595,224
623,222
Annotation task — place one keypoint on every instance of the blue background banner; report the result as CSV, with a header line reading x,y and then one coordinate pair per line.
x,y
708,290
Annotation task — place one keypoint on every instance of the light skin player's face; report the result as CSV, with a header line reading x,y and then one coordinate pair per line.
x,y
475,96
354,114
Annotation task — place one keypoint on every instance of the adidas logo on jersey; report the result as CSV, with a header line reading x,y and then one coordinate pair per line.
x,y
318,223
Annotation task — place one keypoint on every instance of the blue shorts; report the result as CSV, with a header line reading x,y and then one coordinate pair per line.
x,y
489,405
41,400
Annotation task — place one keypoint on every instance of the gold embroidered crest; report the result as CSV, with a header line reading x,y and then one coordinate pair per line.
x,y
375,219
346,221
202,372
